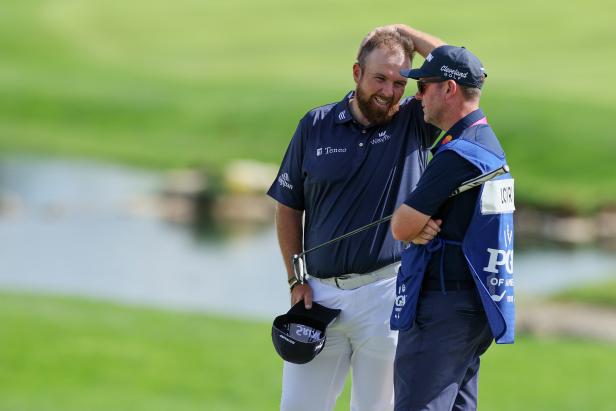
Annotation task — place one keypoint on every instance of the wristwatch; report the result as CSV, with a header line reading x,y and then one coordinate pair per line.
x,y
292,283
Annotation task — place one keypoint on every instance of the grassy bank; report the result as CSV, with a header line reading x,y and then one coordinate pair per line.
x,y
603,295
168,84
70,354
65,354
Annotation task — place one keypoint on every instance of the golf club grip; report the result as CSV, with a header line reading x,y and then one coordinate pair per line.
x,y
467,185
474,182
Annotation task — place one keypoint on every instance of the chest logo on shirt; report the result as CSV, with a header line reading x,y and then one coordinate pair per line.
x,y
330,150
382,137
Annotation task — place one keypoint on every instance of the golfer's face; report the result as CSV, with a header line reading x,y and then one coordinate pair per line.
x,y
380,83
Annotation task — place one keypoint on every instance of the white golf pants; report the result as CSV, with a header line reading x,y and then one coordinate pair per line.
x,y
359,339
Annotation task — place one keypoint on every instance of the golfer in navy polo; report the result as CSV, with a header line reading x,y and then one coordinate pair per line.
x,y
455,292
349,164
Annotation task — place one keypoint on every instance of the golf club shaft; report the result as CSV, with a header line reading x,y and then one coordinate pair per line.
x,y
474,182
467,185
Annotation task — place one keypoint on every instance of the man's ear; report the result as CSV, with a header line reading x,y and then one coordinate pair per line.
x,y
356,72
452,88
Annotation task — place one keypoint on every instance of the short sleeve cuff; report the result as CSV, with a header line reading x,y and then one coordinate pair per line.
x,y
285,200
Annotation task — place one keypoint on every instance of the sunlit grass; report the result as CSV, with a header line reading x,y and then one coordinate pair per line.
x,y
71,354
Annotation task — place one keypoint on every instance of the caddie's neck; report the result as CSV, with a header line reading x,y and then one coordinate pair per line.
x,y
456,112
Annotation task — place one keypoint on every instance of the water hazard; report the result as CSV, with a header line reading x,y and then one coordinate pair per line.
x,y
83,228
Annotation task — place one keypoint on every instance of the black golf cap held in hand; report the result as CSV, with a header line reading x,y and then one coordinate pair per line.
x,y
450,63
299,335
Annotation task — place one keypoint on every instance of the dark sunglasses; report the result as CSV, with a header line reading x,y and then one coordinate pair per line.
x,y
421,84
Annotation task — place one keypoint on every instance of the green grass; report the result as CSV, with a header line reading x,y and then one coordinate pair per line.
x,y
70,354
172,83
65,354
543,375
601,295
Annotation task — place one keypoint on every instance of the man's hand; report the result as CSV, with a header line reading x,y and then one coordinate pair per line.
x,y
302,292
423,43
430,230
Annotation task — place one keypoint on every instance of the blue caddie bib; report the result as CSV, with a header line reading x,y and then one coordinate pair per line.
x,y
487,246
414,260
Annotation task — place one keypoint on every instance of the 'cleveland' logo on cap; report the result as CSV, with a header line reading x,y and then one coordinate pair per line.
x,y
448,72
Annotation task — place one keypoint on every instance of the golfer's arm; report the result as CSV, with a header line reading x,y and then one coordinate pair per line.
x,y
424,42
289,228
407,223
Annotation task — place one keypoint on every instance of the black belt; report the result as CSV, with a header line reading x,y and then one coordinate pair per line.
x,y
433,284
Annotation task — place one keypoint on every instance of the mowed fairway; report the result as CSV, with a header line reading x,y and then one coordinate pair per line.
x,y
66,354
186,82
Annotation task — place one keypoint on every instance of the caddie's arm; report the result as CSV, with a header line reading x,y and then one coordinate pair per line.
x,y
289,228
430,230
407,223
424,42
443,175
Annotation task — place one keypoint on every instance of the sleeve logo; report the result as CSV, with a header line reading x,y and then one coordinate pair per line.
x,y
284,181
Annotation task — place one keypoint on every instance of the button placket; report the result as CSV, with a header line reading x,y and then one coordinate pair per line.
x,y
364,137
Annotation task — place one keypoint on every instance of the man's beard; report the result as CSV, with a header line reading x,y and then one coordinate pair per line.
x,y
374,113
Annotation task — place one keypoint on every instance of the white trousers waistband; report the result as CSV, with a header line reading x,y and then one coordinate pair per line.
x,y
352,281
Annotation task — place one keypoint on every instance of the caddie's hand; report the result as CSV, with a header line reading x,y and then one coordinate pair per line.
x,y
302,292
430,230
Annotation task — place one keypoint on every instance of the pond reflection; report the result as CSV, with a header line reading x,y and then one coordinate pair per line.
x,y
79,228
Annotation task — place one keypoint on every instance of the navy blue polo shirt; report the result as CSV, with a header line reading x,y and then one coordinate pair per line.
x,y
444,174
344,176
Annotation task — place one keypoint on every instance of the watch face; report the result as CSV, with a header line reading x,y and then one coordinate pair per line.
x,y
303,333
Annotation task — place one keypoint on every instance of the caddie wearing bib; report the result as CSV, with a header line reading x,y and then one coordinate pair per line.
x,y
454,292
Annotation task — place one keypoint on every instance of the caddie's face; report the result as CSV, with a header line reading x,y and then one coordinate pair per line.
x,y
380,85
432,96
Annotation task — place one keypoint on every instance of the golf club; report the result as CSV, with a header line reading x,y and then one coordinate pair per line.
x,y
299,264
